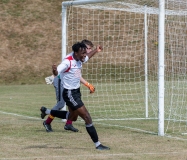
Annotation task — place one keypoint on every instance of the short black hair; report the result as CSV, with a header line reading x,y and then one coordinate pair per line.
x,y
77,46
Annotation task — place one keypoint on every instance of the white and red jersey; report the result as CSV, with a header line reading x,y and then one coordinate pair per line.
x,y
70,72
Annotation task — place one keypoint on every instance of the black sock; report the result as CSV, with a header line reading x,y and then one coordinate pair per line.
x,y
59,114
93,133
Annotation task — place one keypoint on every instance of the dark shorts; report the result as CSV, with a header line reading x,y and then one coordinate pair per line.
x,y
72,97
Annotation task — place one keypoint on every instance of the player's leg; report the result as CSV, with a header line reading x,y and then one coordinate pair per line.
x,y
73,101
60,103
85,115
68,125
59,114
48,121
55,113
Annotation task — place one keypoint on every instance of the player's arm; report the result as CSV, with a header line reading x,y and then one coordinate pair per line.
x,y
97,49
50,79
54,70
90,86
63,66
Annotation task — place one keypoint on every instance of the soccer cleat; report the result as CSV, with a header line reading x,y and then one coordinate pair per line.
x,y
43,109
70,127
47,127
101,147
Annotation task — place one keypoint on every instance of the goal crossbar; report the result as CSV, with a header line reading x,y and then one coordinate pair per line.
x,y
82,2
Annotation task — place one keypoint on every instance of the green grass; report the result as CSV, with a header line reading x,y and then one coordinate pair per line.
x,y
24,137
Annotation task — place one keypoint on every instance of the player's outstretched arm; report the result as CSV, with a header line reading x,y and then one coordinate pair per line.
x,y
99,48
90,86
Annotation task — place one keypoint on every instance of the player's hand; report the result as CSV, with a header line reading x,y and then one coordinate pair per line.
x,y
54,70
99,48
91,87
49,80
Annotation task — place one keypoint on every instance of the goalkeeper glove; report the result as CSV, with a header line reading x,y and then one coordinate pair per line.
x,y
49,80
90,86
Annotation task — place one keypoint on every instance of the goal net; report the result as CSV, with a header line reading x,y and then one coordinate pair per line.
x,y
125,73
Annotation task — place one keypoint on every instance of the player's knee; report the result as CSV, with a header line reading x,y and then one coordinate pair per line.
x,y
87,118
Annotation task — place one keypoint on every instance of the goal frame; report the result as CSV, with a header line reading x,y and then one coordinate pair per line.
x,y
161,52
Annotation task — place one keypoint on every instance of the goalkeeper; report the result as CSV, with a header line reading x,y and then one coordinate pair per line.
x,y
56,81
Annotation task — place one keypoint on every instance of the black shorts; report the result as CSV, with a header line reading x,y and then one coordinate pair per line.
x,y
72,97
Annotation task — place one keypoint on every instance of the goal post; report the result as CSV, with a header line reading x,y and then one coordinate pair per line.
x,y
161,42
145,62
140,74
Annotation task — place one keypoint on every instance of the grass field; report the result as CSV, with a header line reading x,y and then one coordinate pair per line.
x,y
24,137
31,42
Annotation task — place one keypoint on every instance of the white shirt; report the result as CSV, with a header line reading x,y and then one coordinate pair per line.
x,y
70,72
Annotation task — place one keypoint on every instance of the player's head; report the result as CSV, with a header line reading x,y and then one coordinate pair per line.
x,y
89,45
79,50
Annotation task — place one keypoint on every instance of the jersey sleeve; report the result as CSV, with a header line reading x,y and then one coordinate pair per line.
x,y
63,66
86,59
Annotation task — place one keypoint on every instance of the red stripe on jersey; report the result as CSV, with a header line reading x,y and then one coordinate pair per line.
x,y
69,58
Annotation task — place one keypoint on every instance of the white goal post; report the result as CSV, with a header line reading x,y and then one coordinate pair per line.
x,y
139,71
